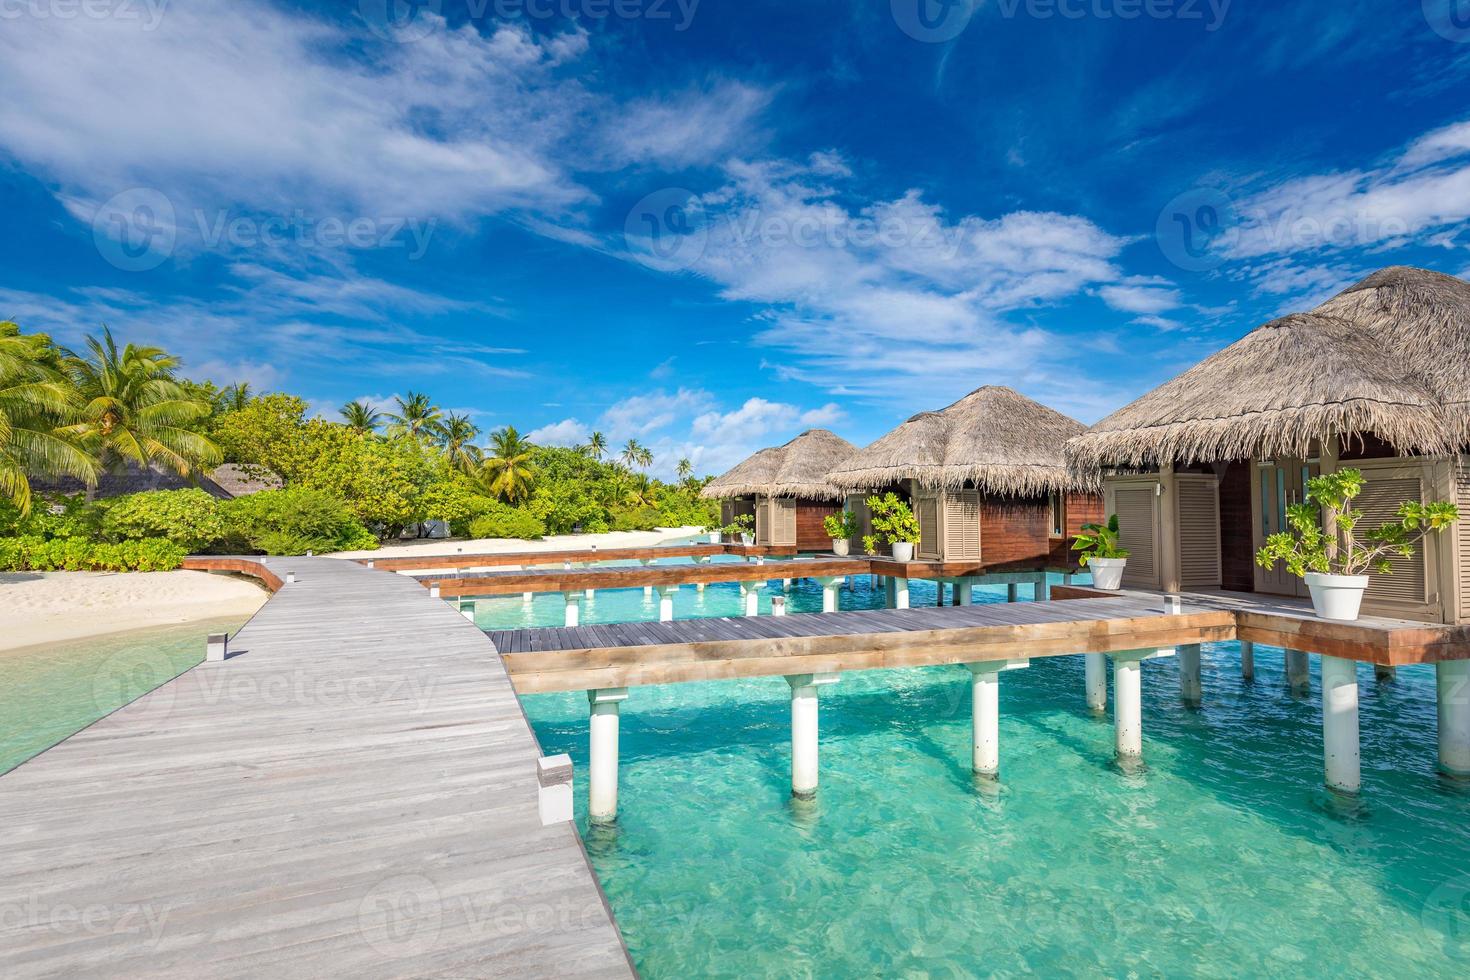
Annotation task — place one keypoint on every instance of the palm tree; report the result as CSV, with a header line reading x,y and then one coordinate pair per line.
x,y
685,469
457,432
508,472
235,397
596,446
417,416
131,410
33,399
361,418
640,491
636,454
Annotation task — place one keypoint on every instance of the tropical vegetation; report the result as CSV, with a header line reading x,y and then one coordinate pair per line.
x,y
893,519
1099,541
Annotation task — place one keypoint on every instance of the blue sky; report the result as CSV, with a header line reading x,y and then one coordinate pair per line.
x,y
709,224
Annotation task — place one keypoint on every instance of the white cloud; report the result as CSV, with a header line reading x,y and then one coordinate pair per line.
x,y
1141,294
567,432
697,126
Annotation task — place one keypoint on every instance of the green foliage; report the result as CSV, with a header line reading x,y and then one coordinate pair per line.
x,y
840,526
294,521
740,525
1099,541
870,544
35,553
893,519
267,432
191,518
1324,534
507,522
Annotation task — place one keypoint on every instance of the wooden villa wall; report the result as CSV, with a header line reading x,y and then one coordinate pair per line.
x,y
1014,529
1237,540
810,534
1080,509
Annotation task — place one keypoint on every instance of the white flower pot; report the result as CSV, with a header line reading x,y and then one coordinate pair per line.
x,y
747,539
1336,596
840,546
1107,573
903,551
714,537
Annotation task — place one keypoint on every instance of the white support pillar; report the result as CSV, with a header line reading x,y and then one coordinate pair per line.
x,y
899,592
574,608
829,593
964,592
804,739
1011,592
602,768
1452,689
786,585
1039,590
1128,700
527,597
1298,671
433,589
467,610
1340,752
647,589
216,648
938,593
589,593
985,714
1095,670
750,598
778,605
1247,660
1190,687
666,603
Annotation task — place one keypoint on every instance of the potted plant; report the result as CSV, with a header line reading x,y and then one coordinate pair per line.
x,y
840,528
714,534
1325,549
894,520
870,545
1101,554
742,528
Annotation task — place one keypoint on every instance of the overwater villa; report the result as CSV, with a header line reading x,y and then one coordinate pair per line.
x,y
1202,469
785,490
986,477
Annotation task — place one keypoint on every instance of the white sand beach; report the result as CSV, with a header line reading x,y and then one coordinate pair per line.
x,y
500,546
53,607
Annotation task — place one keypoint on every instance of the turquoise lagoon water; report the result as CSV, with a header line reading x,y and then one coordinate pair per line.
x,y
1224,856
56,690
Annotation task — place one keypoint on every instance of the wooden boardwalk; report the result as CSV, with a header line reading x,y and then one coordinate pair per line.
x,y
353,793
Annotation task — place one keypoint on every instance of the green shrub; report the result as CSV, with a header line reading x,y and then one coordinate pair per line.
x,y
190,518
507,522
294,521
639,519
37,554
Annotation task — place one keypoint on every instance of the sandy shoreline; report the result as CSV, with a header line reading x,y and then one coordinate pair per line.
x,y
54,607
500,546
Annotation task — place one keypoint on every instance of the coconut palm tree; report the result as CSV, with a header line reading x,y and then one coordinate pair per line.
x,y
235,397
640,490
361,418
508,472
458,430
33,400
417,416
596,446
685,469
131,410
636,454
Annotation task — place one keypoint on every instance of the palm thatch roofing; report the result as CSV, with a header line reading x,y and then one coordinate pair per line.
x,y
995,437
797,469
1388,356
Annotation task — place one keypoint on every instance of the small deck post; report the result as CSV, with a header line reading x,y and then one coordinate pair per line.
x,y
1340,750
554,789
985,714
703,560
1190,687
804,741
602,768
574,608
829,593
1095,672
964,592
1452,690
433,589
778,605
1298,671
898,593
666,595
1247,660
750,596
217,647
939,593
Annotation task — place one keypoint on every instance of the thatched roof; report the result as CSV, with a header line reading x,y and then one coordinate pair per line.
x,y
797,469
996,437
1389,356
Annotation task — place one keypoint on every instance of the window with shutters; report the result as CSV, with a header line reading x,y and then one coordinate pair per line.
x,y
1379,504
1462,537
785,522
1057,508
928,515
1199,531
1137,510
962,525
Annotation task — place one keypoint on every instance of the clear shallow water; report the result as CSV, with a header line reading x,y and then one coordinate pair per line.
x,y
1224,857
51,692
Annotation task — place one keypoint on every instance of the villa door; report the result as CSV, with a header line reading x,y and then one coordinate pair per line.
x,y
1279,484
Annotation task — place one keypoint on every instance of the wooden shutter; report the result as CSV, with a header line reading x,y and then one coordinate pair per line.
x,y
962,525
1379,503
1137,510
1199,531
1462,538
783,531
928,514
763,528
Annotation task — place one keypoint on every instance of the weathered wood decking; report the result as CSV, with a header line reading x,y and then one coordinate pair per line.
x,y
353,793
